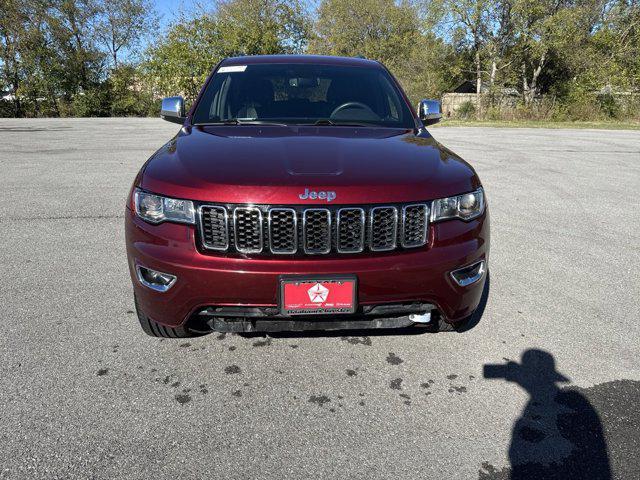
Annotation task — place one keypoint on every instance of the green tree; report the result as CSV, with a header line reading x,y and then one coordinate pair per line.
x,y
546,31
70,25
12,38
613,54
501,40
429,69
378,29
396,34
262,27
123,24
128,95
77,57
180,62
470,24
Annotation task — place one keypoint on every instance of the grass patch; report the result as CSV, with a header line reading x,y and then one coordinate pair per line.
x,y
604,125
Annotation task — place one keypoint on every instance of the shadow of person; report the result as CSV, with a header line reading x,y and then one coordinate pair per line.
x,y
559,434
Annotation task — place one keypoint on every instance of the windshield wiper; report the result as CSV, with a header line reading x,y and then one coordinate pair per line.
x,y
242,121
324,121
319,122
327,122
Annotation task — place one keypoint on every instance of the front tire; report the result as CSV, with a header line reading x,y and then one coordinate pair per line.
x,y
155,329
444,326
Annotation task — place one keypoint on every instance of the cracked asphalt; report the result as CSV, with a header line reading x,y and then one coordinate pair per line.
x,y
547,385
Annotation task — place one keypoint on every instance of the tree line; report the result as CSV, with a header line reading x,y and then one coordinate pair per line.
x,y
559,59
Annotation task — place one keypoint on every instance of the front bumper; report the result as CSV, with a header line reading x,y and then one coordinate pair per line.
x,y
400,277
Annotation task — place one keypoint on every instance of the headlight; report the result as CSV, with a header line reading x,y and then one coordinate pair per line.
x,y
156,209
465,207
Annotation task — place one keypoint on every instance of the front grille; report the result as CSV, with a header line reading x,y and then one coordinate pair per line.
x,y
313,230
414,221
283,230
247,223
316,230
350,230
384,226
215,229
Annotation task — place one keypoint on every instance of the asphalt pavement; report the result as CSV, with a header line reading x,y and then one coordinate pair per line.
x,y
85,394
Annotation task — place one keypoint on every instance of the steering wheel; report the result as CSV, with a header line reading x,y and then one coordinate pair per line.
x,y
352,104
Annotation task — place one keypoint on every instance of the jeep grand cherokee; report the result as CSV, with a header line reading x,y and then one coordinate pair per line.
x,y
304,192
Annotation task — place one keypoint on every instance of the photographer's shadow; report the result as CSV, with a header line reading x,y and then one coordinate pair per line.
x,y
559,434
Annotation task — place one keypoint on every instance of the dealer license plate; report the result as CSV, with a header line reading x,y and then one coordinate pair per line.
x,y
318,295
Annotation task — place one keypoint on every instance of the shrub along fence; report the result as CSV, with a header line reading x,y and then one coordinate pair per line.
x,y
585,107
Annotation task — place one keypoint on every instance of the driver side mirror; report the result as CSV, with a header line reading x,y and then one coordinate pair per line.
x,y
429,111
172,110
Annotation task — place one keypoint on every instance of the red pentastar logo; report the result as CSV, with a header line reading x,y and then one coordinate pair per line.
x,y
318,293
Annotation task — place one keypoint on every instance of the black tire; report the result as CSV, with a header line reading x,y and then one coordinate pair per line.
x,y
155,329
444,326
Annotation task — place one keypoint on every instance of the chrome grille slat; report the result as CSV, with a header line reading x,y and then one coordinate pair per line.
x,y
415,225
316,231
247,226
283,230
383,225
214,227
350,231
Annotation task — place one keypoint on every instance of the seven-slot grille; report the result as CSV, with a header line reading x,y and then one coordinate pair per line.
x,y
313,230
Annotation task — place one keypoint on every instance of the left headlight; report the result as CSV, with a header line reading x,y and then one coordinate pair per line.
x,y
465,207
157,209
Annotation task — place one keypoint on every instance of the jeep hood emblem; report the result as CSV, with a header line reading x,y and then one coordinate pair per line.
x,y
313,195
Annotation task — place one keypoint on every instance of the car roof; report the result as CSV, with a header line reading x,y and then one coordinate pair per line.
x,y
307,59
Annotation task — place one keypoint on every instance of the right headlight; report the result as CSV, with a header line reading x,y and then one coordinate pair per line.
x,y
157,209
465,207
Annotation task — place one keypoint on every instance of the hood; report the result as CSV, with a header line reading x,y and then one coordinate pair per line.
x,y
276,165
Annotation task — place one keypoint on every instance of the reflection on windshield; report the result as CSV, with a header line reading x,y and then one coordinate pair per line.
x,y
303,94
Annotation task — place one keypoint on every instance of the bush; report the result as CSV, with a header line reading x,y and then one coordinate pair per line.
x,y
608,105
631,107
128,95
494,113
466,110
581,105
541,109
6,109
92,103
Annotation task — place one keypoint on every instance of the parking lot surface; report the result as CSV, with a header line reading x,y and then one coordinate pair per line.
x,y
85,394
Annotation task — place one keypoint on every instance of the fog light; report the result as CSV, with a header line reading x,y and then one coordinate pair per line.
x,y
420,317
471,274
158,281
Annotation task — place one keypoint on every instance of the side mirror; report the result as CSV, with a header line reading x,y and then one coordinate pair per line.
x,y
429,111
172,110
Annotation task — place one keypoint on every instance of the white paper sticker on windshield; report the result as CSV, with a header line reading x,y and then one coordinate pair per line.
x,y
232,68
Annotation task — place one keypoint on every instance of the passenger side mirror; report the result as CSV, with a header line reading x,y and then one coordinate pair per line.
x,y
172,110
429,111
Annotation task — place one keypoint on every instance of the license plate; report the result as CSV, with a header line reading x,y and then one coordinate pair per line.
x,y
317,295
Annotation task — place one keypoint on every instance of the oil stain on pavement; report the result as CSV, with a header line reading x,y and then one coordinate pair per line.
x,y
393,359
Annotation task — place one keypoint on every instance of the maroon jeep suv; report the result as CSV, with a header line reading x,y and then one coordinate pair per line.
x,y
304,193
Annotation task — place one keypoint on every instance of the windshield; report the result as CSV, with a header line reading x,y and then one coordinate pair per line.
x,y
303,94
